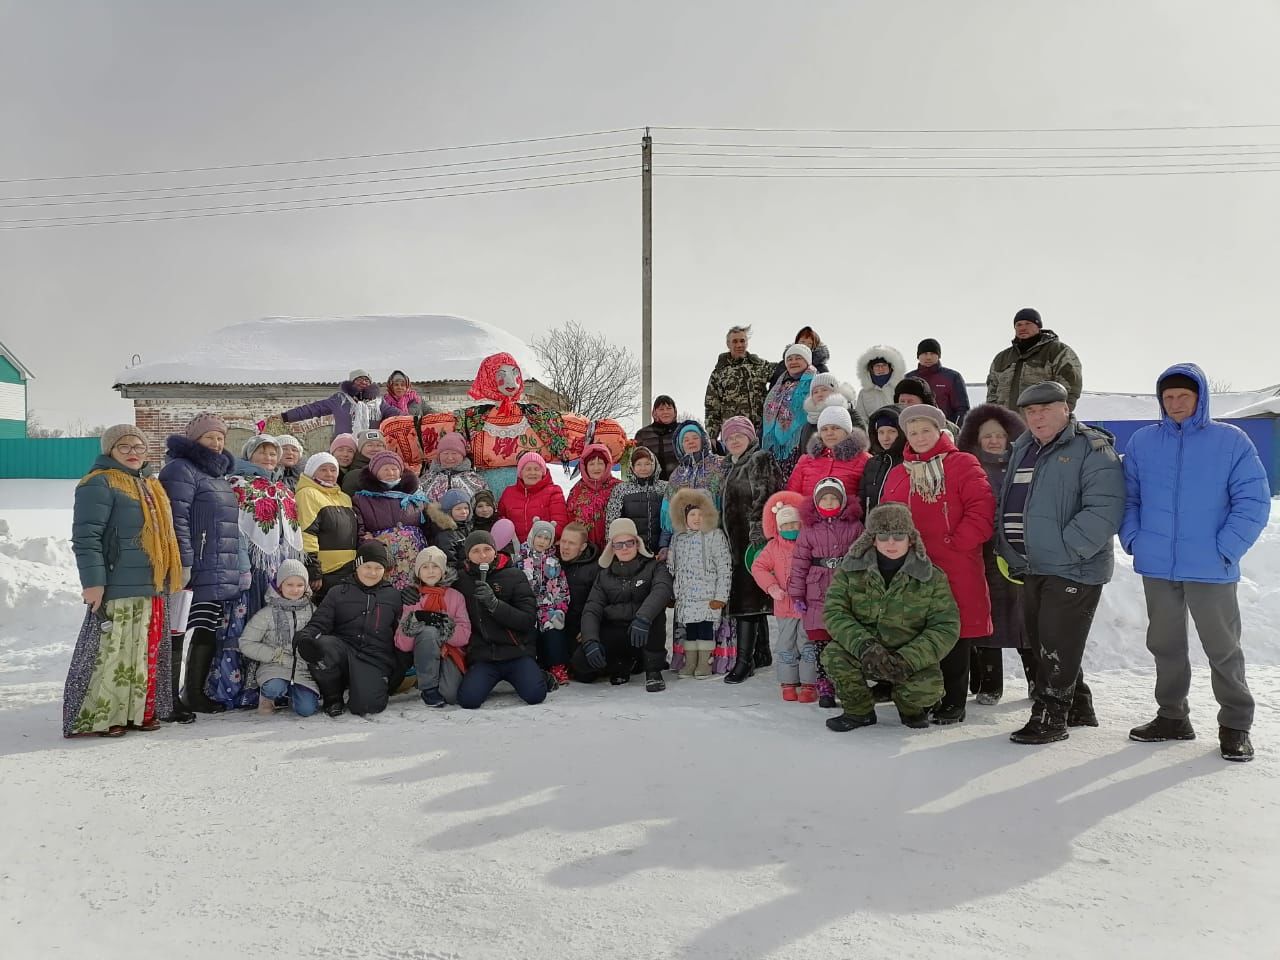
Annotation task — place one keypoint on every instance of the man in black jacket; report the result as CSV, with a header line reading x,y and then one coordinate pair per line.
x,y
349,643
660,436
504,626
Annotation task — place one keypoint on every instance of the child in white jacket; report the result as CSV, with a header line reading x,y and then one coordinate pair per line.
x,y
268,639
701,567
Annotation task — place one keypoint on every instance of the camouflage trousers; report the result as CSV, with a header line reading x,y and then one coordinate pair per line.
x,y
920,691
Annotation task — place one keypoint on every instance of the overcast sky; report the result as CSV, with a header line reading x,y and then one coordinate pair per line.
x,y
1134,272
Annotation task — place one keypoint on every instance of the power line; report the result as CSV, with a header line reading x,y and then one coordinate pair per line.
x,y
320,176
355,196
325,186
887,174
320,206
1018,157
978,130
953,147
1023,169
285,163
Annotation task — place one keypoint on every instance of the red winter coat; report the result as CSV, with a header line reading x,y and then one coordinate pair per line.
x,y
543,501
953,528
588,500
845,461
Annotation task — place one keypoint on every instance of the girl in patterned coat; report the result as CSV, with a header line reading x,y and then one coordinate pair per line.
x,y
701,569
541,565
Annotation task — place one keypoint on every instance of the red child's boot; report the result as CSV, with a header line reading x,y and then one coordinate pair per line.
x,y
789,692
808,693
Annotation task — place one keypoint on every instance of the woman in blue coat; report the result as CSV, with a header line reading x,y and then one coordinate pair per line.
x,y
206,521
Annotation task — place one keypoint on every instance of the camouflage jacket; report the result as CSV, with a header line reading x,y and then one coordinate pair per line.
x,y
915,615
737,388
1013,370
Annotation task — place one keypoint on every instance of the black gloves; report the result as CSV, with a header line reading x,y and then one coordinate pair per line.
x,y
410,595
485,596
639,632
432,619
594,653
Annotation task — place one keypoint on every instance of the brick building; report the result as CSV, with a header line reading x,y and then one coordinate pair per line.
x,y
252,370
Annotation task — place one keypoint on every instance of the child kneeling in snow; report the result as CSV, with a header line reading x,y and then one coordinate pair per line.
x,y
268,639
542,568
436,629
892,617
350,641
701,567
795,657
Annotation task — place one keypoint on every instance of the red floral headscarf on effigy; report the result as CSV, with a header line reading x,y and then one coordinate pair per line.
x,y
486,385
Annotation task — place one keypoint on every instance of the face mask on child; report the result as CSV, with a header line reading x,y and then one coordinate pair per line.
x,y
790,534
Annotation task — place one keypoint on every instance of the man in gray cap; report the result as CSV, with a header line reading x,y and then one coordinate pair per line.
x,y
1060,507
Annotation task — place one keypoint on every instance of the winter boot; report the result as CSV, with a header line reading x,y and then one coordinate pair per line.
x,y
1235,745
789,692
808,693
653,682
944,716
432,698
180,712
1161,729
764,656
705,654
199,660
266,706
1081,713
851,721
916,721
618,679
744,665
334,707
690,659
561,673
827,702
988,698
1048,724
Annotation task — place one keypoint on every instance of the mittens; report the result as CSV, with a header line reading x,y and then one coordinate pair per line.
x,y
639,632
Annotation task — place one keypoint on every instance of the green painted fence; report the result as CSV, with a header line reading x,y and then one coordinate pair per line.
x,y
61,458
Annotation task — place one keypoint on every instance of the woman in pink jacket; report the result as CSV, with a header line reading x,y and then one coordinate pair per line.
x,y
795,658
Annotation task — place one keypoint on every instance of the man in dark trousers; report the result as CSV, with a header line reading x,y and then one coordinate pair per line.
x,y
949,392
1197,500
1060,507
659,435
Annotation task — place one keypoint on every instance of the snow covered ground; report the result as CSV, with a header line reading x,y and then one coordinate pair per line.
x,y
709,821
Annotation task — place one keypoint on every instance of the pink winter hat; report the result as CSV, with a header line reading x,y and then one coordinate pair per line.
x,y
503,532
735,425
451,441
529,458
384,457
343,440
205,423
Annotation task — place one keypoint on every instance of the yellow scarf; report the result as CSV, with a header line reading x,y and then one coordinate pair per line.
x,y
159,542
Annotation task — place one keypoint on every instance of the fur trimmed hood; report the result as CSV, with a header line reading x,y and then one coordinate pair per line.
x,y
367,481
690,497
862,556
769,521
899,365
845,396
846,449
979,415
178,447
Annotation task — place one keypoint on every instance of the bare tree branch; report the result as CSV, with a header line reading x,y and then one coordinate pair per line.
x,y
1219,386
596,378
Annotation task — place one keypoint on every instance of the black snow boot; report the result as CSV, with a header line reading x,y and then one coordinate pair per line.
x,y
851,721
916,721
1081,713
1048,724
653,682
1235,745
764,655
199,660
944,715
618,679
1161,729
744,665
181,713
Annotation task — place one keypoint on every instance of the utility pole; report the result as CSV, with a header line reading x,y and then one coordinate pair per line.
x,y
646,275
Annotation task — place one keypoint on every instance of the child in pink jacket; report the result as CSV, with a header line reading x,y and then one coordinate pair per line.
x,y
794,657
436,629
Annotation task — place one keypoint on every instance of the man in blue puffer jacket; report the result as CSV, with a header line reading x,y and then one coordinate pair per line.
x,y
1196,500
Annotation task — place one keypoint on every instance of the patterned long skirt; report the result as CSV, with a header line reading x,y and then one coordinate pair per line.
x,y
119,674
403,543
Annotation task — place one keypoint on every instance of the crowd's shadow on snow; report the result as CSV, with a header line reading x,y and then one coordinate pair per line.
x,y
884,819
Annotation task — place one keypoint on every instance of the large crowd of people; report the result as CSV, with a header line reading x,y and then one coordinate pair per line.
x,y
893,538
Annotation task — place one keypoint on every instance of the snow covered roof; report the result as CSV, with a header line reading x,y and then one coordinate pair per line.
x,y
1118,407
290,350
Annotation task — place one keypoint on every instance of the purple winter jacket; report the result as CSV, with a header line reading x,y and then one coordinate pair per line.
x,y
374,514
820,539
338,406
